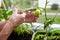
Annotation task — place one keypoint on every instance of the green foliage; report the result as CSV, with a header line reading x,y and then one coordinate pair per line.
x,y
4,14
48,22
51,38
55,32
31,24
57,20
22,28
46,25
37,35
54,6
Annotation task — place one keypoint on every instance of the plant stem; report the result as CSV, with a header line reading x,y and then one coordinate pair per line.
x,y
3,5
46,33
56,38
45,10
7,5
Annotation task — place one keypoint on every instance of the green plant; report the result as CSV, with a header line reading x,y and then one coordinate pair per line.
x,y
54,6
4,14
45,9
55,32
7,3
23,28
38,35
47,24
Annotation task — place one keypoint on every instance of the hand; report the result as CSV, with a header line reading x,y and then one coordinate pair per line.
x,y
2,23
17,18
30,17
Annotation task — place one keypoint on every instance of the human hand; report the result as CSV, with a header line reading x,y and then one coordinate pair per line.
x,y
17,17
30,17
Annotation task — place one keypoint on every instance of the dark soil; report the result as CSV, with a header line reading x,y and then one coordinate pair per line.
x,y
24,36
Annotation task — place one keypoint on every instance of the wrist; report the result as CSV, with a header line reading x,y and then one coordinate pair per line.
x,y
15,22
12,23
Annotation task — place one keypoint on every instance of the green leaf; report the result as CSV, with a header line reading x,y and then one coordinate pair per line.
x,y
31,24
9,12
1,17
21,28
55,32
3,13
26,26
18,30
48,22
39,36
35,34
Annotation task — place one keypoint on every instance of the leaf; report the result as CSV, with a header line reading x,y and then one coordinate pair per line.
x,y
26,26
55,31
48,22
31,24
21,28
9,12
3,12
28,31
39,36
1,17
35,34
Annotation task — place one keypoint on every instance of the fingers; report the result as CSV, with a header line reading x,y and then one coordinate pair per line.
x,y
15,10
24,14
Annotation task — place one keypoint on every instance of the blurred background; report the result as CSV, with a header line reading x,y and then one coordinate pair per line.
x,y
22,4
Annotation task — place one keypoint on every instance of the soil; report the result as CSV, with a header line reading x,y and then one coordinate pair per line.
x,y
24,36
